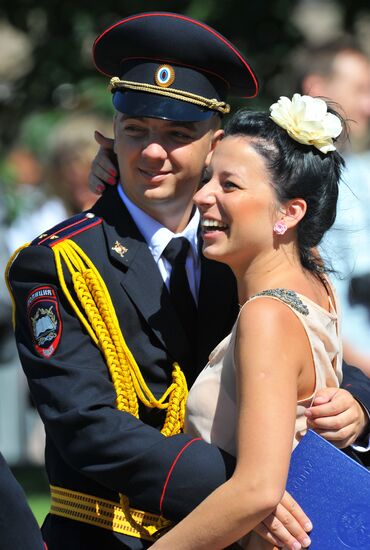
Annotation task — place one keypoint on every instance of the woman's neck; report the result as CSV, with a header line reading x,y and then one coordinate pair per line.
x,y
273,271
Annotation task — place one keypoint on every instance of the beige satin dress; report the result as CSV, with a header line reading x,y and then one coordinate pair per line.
x,y
211,411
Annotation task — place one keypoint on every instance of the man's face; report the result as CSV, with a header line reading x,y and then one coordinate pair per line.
x,y
161,161
349,85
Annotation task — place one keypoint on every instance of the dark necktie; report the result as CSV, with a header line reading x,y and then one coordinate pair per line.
x,y
182,299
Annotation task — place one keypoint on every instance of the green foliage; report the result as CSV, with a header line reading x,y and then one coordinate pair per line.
x,y
63,76
40,505
34,483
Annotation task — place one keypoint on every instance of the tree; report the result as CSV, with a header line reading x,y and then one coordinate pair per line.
x,y
63,76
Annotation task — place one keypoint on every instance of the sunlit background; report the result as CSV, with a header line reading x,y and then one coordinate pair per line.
x,y
52,99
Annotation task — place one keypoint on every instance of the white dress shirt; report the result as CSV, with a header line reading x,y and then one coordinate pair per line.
x,y
157,237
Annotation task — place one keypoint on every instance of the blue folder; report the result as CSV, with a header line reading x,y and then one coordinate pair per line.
x,y
334,491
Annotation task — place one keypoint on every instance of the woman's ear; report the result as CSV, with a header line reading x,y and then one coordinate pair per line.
x,y
294,211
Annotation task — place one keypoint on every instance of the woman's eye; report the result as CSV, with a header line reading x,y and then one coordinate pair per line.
x,y
229,185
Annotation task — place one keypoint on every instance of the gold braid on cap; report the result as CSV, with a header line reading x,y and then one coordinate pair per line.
x,y
212,104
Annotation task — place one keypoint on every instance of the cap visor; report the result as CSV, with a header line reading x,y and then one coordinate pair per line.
x,y
142,104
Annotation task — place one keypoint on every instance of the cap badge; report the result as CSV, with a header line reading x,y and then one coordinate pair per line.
x,y
164,76
119,248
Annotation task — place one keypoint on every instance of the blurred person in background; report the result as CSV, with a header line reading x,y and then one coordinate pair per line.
x,y
26,208
340,71
37,194
33,204
18,526
49,191
71,150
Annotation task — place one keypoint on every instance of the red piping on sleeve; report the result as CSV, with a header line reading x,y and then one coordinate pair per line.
x,y
173,467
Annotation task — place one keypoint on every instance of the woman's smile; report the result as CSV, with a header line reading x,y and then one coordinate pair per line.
x,y
210,226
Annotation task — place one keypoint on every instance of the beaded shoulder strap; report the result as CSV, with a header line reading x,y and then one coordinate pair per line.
x,y
287,296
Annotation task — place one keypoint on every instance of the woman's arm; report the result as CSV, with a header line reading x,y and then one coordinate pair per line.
x,y
270,351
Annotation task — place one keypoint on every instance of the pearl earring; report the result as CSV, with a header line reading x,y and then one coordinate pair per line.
x,y
280,227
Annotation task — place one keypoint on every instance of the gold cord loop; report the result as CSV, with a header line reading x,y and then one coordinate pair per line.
x,y
96,312
99,318
175,93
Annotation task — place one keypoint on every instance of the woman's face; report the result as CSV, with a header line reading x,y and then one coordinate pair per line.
x,y
238,205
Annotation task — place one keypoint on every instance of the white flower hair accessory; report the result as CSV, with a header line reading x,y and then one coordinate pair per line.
x,y
307,121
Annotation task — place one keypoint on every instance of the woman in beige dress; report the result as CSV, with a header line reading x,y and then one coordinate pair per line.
x,y
269,196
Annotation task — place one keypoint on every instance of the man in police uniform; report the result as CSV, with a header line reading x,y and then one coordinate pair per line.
x,y
100,336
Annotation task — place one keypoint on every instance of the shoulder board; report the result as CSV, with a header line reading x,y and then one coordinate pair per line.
x,y
67,229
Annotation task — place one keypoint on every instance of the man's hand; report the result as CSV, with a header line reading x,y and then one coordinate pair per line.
x,y
337,416
287,527
104,167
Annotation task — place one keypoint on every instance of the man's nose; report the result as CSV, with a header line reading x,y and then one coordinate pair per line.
x,y
154,149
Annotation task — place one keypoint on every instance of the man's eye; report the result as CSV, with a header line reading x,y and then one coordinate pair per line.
x,y
133,129
184,136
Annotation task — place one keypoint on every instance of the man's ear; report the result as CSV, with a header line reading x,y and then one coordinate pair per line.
x,y
294,211
216,138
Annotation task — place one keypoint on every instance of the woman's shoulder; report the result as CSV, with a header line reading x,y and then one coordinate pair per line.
x,y
285,295
270,312
267,329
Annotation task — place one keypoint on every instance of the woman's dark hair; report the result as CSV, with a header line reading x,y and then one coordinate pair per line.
x,y
296,171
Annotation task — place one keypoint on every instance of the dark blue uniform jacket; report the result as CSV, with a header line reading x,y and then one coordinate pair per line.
x,y
91,446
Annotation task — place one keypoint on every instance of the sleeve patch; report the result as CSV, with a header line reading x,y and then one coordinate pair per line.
x,y
44,319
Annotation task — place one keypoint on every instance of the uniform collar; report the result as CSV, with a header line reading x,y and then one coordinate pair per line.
x,y
156,235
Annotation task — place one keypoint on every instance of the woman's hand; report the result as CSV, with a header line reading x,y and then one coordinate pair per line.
x,y
104,166
287,527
